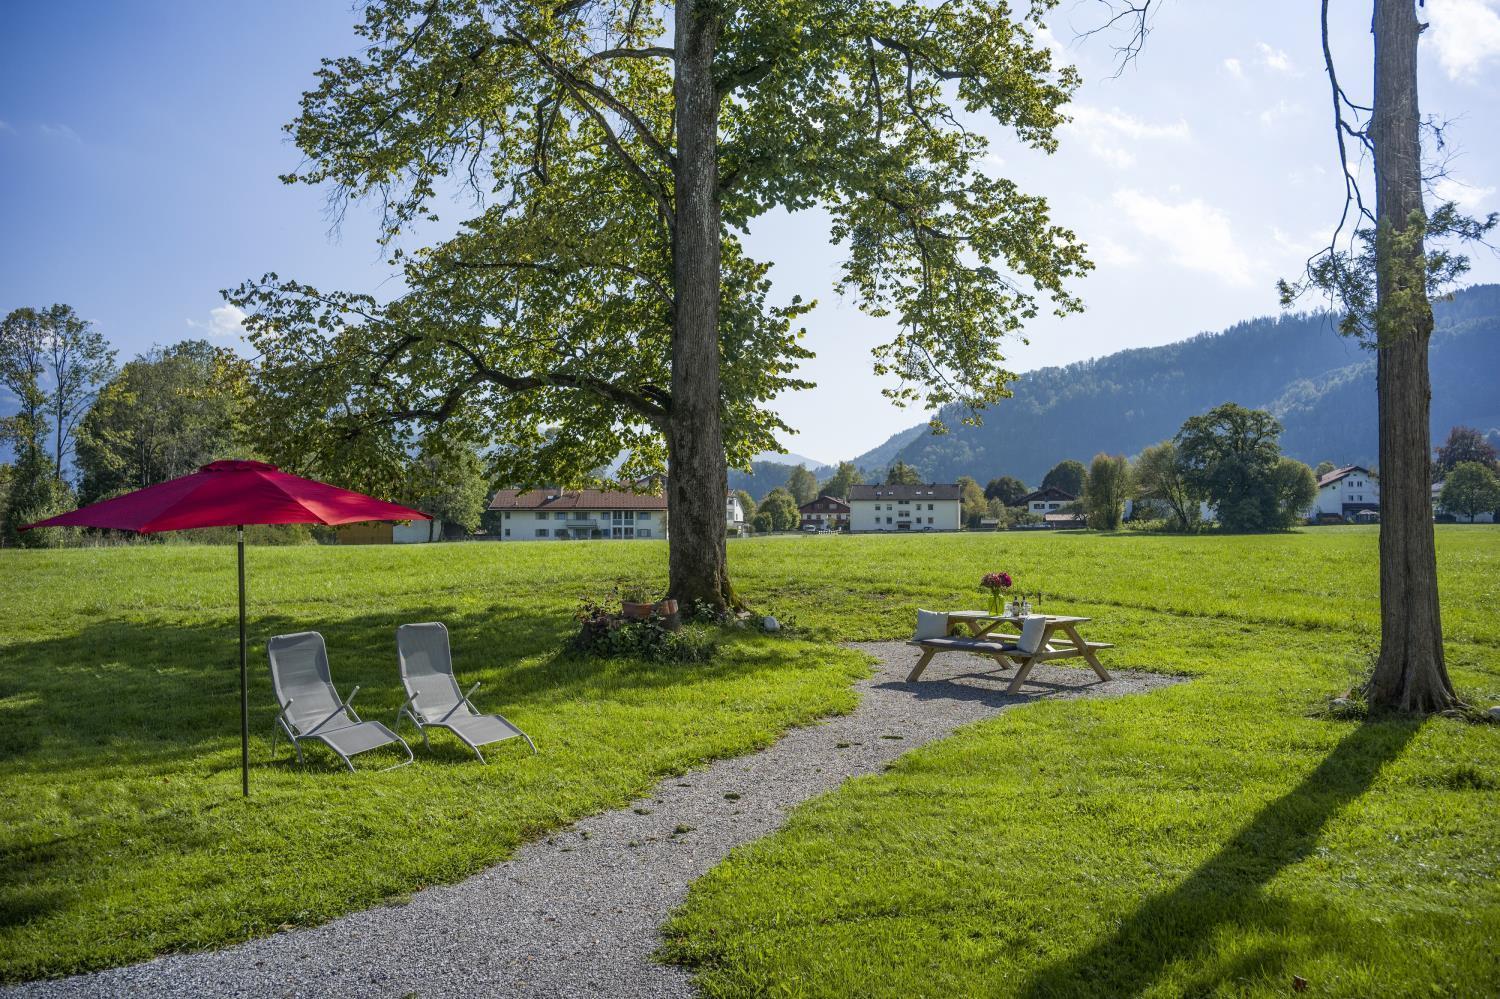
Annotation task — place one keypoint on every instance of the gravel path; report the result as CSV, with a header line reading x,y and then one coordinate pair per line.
x,y
578,914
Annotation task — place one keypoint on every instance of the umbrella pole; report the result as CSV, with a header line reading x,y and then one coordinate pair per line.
x,y
244,699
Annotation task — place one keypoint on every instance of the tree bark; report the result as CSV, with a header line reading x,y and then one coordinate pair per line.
x,y
1410,674
697,480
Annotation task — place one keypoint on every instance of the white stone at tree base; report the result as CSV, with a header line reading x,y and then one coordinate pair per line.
x,y
770,623
1495,712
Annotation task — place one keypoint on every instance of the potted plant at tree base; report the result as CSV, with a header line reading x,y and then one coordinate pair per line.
x,y
636,605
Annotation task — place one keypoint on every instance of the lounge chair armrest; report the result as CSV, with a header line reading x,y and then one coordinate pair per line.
x,y
455,707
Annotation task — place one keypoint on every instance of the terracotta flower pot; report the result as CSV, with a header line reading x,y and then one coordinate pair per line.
x,y
666,608
637,611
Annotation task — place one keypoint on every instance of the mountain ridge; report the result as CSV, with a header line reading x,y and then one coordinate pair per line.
x,y
1318,383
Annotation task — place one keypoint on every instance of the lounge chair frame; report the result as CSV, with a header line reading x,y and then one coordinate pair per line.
x,y
413,712
328,728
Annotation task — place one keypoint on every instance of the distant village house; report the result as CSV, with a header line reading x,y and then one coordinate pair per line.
x,y
1346,493
1045,501
828,512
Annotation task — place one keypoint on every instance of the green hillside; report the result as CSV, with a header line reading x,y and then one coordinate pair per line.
x,y
1321,386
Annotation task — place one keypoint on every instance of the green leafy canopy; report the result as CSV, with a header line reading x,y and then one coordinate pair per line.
x,y
542,329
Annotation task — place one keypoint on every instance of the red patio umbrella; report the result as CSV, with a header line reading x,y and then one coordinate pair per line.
x,y
232,494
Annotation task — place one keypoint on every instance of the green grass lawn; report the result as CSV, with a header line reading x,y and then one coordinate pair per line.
x,y
121,824
1216,837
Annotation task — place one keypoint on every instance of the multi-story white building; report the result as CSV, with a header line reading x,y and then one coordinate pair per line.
x,y
1344,492
929,507
563,514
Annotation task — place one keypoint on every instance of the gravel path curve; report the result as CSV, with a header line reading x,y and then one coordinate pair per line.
x,y
578,914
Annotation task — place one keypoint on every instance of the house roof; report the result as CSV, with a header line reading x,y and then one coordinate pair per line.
x,y
1050,493
576,499
1339,473
823,504
929,491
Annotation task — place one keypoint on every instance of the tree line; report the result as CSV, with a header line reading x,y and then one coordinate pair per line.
x,y
86,429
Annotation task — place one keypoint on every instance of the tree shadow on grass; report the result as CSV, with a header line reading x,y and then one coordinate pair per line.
x,y
1227,889
119,697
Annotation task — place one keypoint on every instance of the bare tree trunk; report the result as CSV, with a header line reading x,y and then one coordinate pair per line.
x,y
1410,674
697,480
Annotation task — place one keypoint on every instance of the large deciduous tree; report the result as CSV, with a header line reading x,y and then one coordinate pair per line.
x,y
1159,478
1470,490
79,361
447,482
1007,489
1067,475
1383,284
1464,444
165,414
1229,456
621,149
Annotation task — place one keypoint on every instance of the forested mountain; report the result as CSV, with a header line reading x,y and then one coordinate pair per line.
x,y
767,475
1319,384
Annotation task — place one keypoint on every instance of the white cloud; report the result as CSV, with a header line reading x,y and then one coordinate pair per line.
x,y
1281,109
59,131
1275,59
1107,133
1467,196
1303,246
1196,235
1466,34
1110,253
1044,34
6,126
224,321
1235,67
991,162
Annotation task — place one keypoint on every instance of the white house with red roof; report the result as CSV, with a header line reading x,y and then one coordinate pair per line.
x,y
1345,492
579,514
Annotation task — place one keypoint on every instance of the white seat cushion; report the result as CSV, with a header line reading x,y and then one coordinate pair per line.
x,y
931,624
1032,630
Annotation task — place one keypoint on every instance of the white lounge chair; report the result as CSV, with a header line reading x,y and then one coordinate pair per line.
x,y
312,709
433,697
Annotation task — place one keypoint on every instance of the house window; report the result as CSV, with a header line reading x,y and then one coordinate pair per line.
x,y
541,532
507,514
644,532
507,530
643,516
559,516
887,520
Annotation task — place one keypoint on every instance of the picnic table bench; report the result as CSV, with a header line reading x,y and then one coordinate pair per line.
x,y
984,638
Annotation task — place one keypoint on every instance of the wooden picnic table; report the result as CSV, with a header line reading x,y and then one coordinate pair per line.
x,y
982,627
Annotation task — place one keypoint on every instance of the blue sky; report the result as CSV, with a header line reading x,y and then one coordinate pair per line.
x,y
140,145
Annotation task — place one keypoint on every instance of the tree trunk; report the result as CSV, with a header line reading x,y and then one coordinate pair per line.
x,y
697,480
1410,674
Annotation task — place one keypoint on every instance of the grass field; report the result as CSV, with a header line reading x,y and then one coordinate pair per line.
x,y
1217,837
